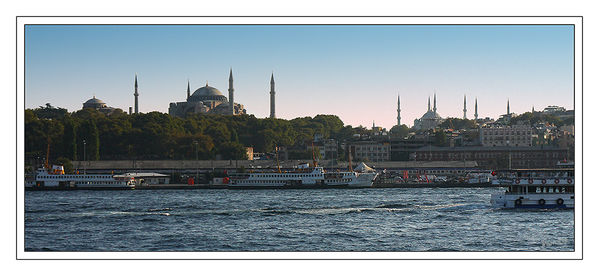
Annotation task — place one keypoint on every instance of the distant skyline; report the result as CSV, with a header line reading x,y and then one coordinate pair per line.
x,y
353,71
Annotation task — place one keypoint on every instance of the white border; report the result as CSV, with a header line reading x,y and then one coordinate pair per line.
x,y
21,21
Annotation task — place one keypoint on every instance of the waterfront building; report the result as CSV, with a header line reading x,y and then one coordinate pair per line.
x,y
328,148
400,148
430,119
370,151
207,100
495,157
502,135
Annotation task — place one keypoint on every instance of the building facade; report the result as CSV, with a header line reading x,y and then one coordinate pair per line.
x,y
495,157
503,136
370,151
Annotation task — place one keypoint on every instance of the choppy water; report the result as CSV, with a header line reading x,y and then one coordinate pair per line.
x,y
288,220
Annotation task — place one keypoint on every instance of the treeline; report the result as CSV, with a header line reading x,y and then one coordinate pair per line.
x,y
529,118
155,135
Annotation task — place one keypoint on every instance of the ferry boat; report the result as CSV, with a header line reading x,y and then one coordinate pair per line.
x,y
316,177
535,188
56,179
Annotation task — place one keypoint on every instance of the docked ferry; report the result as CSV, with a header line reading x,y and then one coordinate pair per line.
x,y
315,177
56,179
535,188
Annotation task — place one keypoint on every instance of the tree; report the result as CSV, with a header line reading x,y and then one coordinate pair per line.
x,y
440,138
70,139
399,131
455,123
233,150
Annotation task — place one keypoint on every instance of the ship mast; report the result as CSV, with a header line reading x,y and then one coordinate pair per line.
x,y
313,157
349,158
277,155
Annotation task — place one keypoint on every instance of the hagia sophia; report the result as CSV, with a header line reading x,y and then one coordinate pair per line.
x,y
208,99
204,100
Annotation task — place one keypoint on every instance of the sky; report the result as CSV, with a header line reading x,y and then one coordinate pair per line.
x,y
353,71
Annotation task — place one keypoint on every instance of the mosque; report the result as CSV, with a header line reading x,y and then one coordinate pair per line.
x,y
99,105
208,100
430,119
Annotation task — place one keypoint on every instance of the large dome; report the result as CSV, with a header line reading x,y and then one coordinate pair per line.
x,y
94,103
207,93
431,115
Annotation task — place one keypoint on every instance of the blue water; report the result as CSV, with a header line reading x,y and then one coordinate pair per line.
x,y
288,220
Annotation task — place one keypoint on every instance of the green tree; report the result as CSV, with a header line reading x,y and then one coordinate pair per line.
x,y
70,139
233,150
399,131
440,138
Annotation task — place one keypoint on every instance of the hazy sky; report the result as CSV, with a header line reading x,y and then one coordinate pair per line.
x,y
353,71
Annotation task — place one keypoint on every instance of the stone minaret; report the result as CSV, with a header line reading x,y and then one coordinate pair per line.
x,y
435,103
429,103
136,95
508,107
272,96
464,107
475,109
231,100
188,90
398,112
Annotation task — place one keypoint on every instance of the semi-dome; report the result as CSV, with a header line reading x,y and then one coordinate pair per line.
x,y
207,93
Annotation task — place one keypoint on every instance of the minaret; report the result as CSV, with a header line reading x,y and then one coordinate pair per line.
x,y
231,101
435,103
429,103
464,107
508,107
533,109
136,94
188,90
272,96
398,112
475,109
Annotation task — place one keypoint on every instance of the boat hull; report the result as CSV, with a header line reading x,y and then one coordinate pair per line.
x,y
533,201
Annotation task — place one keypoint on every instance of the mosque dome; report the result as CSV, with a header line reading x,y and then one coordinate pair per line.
x,y
431,115
94,103
207,93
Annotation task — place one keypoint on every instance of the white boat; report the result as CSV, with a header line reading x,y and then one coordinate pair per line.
x,y
479,177
540,188
303,178
55,179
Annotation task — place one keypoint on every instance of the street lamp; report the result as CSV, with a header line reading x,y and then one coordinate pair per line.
x,y
84,157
